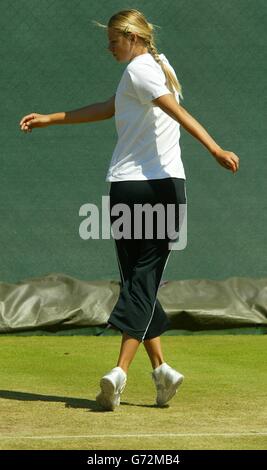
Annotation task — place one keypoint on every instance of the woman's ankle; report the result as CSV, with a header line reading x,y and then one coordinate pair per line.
x,y
124,367
157,362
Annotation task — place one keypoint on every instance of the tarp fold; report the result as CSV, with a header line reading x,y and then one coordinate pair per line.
x,y
58,300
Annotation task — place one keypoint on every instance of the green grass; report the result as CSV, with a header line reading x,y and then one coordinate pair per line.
x,y
48,387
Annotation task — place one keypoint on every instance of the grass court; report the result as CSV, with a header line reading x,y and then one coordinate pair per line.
x,y
48,386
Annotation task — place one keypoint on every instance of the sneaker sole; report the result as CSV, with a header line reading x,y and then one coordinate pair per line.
x,y
107,398
107,395
173,389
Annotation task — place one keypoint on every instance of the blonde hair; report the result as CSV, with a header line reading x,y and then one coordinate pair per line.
x,y
128,22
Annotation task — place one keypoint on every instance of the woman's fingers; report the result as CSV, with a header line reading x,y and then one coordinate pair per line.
x,y
234,162
25,123
26,126
27,118
231,165
30,121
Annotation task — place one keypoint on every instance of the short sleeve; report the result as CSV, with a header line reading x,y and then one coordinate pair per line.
x,y
148,83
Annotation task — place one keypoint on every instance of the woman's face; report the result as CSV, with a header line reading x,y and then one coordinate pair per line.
x,y
121,47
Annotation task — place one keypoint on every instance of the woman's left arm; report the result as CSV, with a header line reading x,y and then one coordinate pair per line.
x,y
225,158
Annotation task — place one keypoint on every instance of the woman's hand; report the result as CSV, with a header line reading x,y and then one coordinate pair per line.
x,y
227,159
33,120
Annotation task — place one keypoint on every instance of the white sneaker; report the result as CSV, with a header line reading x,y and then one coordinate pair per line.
x,y
167,381
112,385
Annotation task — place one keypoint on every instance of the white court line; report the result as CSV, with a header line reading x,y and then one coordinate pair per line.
x,y
126,436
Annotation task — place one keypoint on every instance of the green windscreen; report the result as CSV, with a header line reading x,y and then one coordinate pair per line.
x,y
54,59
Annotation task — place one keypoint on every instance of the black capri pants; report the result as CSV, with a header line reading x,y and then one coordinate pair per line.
x,y
141,260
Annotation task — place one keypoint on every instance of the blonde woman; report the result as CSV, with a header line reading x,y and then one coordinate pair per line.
x,y
146,168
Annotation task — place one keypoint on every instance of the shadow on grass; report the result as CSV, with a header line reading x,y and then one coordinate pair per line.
x,y
69,401
144,406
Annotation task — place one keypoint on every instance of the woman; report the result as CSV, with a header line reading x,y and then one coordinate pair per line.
x,y
146,168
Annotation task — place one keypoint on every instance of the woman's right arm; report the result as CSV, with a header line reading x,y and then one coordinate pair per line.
x,y
91,113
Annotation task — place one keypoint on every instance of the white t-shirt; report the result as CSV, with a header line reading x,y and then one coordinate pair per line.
x,y
148,138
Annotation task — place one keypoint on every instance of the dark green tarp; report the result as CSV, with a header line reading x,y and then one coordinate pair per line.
x,y
59,301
